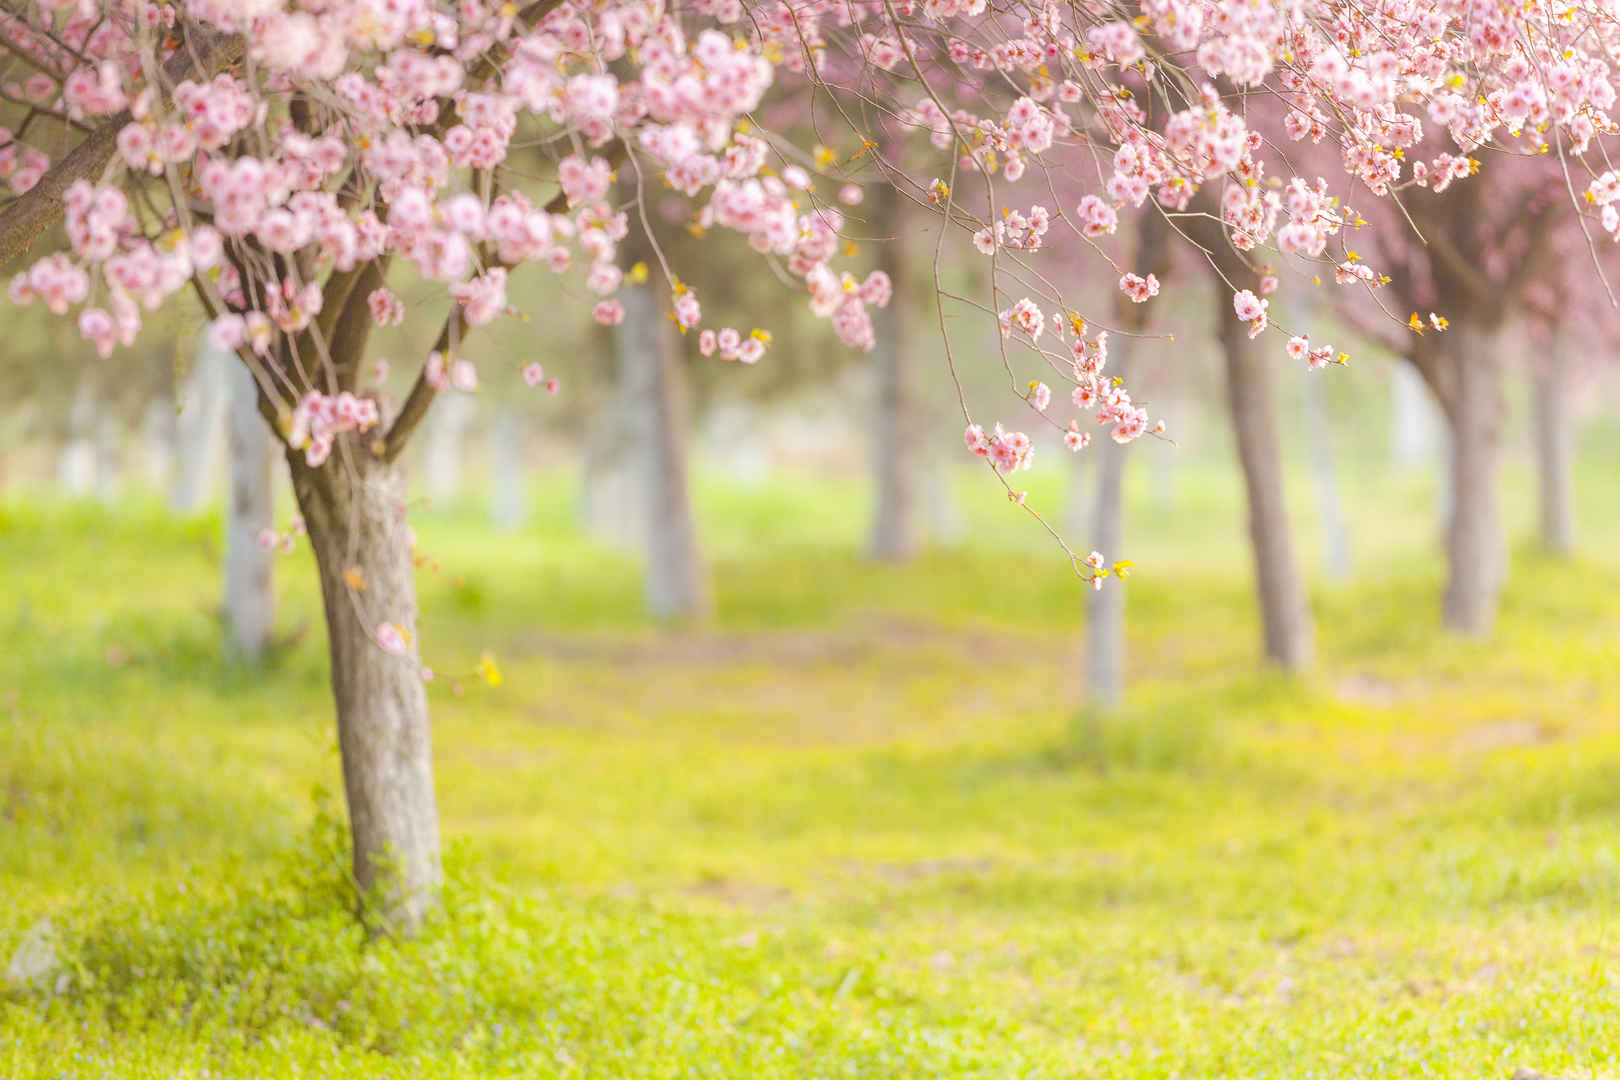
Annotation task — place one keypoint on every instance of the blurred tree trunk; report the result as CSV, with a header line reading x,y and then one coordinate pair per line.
x,y
509,493
354,508
77,461
1284,609
1166,458
896,534
944,517
1475,548
1414,421
1329,509
653,386
250,596
1077,498
607,509
157,441
197,434
1105,607
445,440
1553,429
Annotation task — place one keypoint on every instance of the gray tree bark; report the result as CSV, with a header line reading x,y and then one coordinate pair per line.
x,y
654,389
1078,502
509,495
607,509
77,461
444,441
354,508
896,525
1415,421
1105,607
1552,426
1475,548
1284,609
944,517
1329,509
197,434
250,595
157,442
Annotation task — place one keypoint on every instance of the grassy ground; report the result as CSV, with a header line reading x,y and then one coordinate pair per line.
x,y
861,827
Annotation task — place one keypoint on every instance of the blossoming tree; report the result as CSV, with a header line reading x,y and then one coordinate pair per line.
x,y
285,163
1479,252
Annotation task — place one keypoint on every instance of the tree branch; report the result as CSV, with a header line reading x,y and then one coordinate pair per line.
x,y
422,395
40,207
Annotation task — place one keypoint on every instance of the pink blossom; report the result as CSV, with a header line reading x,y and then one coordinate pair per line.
x,y
687,312
436,373
533,374
464,376
1139,289
386,308
391,638
608,313
1025,316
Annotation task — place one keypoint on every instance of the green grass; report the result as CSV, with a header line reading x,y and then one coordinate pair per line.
x,y
860,827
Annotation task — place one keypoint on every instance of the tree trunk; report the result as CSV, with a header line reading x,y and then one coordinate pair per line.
x,y
197,433
896,534
157,442
1166,458
1077,500
1414,421
607,509
509,495
1554,432
77,461
654,389
1329,511
1474,543
1105,607
250,596
443,443
943,516
1284,611
354,507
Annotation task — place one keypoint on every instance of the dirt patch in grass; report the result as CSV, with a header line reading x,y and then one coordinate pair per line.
x,y
858,642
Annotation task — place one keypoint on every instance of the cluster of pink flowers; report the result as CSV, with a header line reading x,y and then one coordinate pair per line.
x,y
1015,230
1006,450
1025,316
1299,348
319,419
381,131
453,372
1139,289
1252,310
535,375
284,542
1097,218
843,298
386,308
733,346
